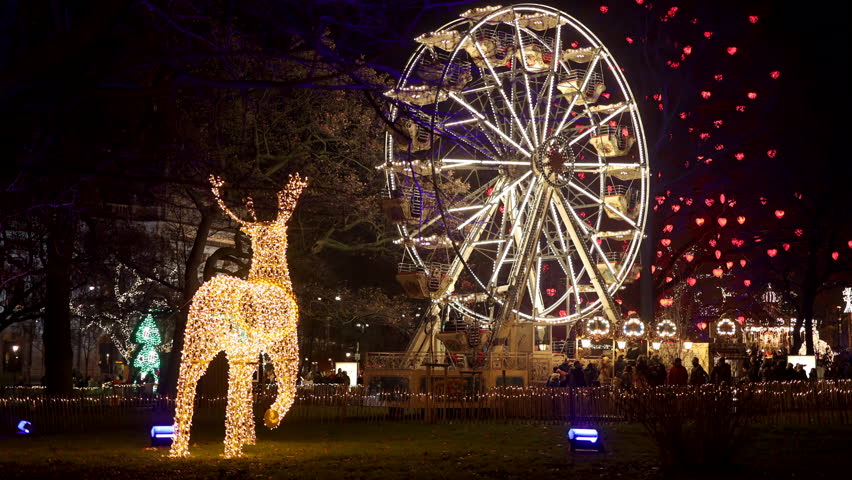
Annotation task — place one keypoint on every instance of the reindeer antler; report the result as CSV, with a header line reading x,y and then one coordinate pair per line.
x,y
289,195
216,184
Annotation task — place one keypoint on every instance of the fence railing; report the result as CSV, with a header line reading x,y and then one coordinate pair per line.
x,y
818,403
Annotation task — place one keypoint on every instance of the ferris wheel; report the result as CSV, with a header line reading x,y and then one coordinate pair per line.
x,y
518,173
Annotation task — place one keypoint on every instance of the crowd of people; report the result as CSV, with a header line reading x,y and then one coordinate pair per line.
x,y
646,372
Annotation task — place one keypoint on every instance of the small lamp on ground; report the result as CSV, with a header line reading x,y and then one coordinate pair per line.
x,y
25,427
656,345
687,345
162,435
585,439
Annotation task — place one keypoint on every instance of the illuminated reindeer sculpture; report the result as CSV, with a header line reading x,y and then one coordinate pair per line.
x,y
244,318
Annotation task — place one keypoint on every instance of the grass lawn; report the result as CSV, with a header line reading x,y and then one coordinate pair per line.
x,y
410,450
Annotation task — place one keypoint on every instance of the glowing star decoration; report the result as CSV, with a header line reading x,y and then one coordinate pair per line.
x,y
148,360
244,318
847,297
726,327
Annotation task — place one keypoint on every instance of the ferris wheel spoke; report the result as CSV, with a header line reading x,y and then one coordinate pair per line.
x,y
551,84
494,200
509,104
529,97
491,126
515,216
463,163
471,241
468,137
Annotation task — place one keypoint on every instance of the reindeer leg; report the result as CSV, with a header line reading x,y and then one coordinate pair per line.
x,y
249,432
190,372
285,358
238,411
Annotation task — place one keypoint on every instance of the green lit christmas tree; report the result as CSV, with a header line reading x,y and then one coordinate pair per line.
x,y
147,359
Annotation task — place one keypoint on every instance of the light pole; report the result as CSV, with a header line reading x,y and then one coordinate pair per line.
x,y
15,349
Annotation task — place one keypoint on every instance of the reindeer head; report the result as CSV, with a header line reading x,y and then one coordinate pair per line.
x,y
287,198
269,239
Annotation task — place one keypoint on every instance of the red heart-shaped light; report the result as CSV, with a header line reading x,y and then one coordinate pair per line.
x,y
732,50
718,254
747,283
772,252
835,255
741,219
690,281
689,257
779,213
722,221
666,242
718,272
699,221
743,262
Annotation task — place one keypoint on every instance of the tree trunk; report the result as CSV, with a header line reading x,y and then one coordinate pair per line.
x,y
58,356
191,283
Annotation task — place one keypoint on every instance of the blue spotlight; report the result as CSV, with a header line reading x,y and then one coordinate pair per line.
x,y
25,427
585,439
162,435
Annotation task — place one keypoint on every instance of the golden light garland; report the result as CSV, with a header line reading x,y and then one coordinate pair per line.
x,y
633,327
726,326
245,318
666,328
598,326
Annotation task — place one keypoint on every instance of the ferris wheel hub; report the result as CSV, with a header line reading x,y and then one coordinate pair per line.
x,y
554,161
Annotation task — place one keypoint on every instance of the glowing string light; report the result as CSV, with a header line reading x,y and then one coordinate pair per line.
x,y
245,318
